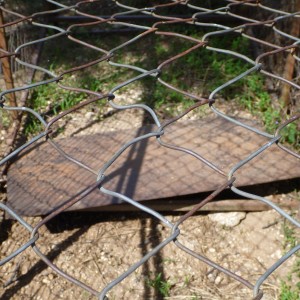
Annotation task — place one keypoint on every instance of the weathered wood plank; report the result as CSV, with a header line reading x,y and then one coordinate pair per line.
x,y
186,205
41,179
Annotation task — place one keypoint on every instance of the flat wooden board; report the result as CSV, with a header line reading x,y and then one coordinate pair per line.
x,y
41,179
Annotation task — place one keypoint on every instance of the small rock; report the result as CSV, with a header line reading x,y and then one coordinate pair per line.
x,y
218,280
46,280
89,115
277,254
211,278
230,219
50,277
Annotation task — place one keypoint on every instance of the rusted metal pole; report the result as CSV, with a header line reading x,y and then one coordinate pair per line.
x,y
289,67
6,67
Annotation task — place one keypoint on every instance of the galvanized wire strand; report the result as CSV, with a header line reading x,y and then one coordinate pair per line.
x,y
268,23
25,225
62,273
156,135
211,96
153,9
21,148
68,203
214,265
185,150
33,140
192,153
70,158
130,270
244,125
252,155
281,127
201,257
276,10
25,87
154,71
123,148
266,201
138,205
273,268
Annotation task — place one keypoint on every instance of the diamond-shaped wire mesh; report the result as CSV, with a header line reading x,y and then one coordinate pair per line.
x,y
228,168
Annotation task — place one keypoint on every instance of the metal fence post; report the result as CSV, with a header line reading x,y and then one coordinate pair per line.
x,y
6,67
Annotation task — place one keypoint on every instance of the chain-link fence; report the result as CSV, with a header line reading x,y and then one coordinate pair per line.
x,y
254,21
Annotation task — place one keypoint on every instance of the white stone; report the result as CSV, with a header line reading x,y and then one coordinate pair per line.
x,y
211,278
89,115
230,219
218,280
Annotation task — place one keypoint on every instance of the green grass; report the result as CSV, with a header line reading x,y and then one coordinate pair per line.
x,y
199,72
289,291
4,119
206,70
290,238
49,100
163,287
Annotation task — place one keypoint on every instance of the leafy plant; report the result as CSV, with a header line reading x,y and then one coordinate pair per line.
x,y
290,239
4,119
49,100
287,292
163,287
202,71
199,72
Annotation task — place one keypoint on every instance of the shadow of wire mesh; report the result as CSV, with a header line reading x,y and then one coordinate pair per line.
x,y
118,174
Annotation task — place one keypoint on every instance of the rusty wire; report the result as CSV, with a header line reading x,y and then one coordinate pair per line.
x,y
107,56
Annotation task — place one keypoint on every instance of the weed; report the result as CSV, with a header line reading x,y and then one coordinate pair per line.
x,y
32,126
287,292
4,119
258,102
290,239
49,100
85,295
168,260
163,287
187,280
199,72
204,71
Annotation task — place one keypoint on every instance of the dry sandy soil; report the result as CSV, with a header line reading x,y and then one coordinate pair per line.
x,y
97,247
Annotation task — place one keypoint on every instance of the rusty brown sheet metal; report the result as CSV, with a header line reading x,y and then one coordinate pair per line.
x,y
41,179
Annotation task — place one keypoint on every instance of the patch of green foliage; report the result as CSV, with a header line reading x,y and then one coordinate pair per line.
x,y
49,100
202,71
160,285
287,291
199,72
4,119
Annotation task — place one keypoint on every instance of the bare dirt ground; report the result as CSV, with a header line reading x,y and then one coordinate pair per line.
x,y
98,247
